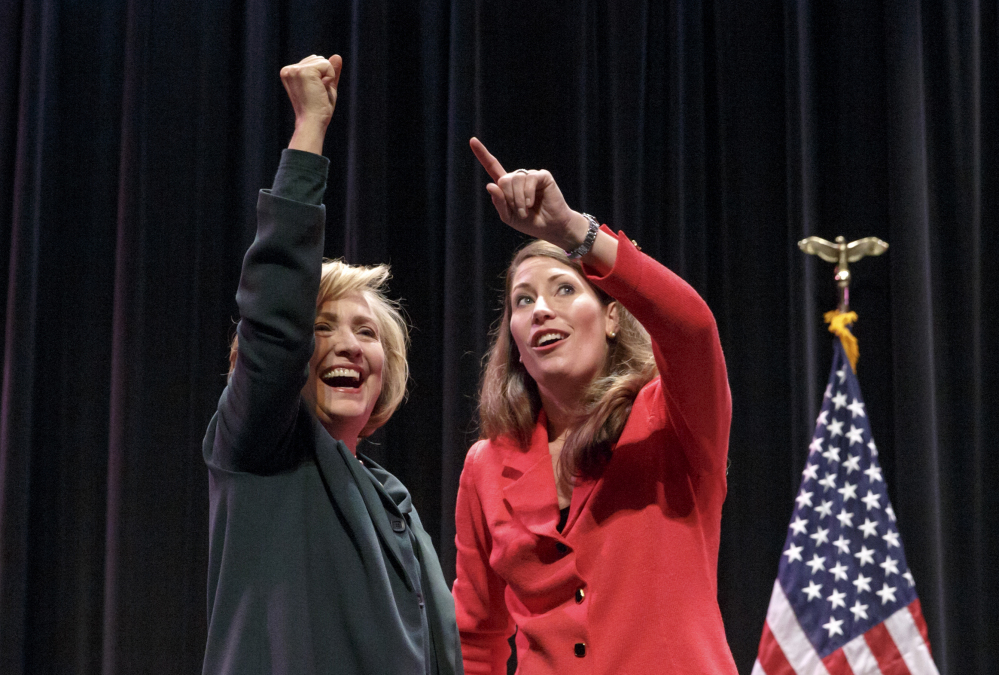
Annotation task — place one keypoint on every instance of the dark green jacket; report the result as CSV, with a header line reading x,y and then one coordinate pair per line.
x,y
306,573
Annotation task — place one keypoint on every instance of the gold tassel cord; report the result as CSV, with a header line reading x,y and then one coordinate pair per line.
x,y
838,322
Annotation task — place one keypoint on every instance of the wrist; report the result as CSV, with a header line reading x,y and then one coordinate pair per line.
x,y
602,256
309,136
318,118
575,230
583,233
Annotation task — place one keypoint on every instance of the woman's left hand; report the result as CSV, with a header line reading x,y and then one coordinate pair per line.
x,y
530,202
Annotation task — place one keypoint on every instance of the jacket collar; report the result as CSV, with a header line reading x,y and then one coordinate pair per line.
x,y
393,493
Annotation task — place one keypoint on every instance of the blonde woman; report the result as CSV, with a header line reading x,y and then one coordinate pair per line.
x,y
318,562
588,516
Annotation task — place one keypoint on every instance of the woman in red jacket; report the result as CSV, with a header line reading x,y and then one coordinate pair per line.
x,y
588,516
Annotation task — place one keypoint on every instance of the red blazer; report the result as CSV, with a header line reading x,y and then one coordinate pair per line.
x,y
630,585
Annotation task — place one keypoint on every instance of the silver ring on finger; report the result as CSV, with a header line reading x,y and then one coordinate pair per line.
x,y
523,171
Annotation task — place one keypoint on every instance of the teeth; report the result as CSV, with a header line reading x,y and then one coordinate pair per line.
x,y
549,337
341,372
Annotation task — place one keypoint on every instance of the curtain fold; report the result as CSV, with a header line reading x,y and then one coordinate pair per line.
x,y
33,95
135,135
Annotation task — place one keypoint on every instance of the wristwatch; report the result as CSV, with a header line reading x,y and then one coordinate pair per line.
x,y
591,236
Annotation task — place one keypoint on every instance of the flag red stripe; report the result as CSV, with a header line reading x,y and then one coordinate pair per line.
x,y
883,647
770,656
837,664
916,610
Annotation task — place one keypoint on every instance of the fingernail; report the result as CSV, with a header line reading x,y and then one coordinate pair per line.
x,y
522,212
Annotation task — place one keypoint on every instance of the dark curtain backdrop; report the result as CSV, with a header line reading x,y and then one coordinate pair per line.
x,y
135,134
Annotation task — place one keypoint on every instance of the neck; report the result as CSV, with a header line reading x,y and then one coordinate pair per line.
x,y
562,413
349,438
351,445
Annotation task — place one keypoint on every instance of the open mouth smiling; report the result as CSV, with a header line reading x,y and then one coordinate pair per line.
x,y
347,378
548,338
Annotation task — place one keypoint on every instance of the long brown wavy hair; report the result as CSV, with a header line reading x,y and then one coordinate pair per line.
x,y
509,401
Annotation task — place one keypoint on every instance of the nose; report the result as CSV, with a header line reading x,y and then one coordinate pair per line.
x,y
345,342
542,310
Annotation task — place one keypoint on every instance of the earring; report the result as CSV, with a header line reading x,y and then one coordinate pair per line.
x,y
612,334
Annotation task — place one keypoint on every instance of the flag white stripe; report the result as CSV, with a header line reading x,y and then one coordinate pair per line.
x,y
902,628
758,669
789,635
860,657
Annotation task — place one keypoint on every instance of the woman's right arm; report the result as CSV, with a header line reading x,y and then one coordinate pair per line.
x,y
484,622
277,290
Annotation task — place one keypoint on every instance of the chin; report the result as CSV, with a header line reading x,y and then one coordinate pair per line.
x,y
347,415
559,377
560,370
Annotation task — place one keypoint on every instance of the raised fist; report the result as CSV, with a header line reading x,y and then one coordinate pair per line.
x,y
311,85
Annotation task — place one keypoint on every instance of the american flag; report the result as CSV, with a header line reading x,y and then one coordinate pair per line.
x,y
844,600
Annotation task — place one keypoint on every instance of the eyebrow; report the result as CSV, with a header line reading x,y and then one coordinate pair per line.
x,y
549,279
358,318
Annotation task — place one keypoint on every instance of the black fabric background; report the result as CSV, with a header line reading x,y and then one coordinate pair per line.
x,y
134,136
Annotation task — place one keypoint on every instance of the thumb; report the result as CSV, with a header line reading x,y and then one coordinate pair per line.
x,y
336,61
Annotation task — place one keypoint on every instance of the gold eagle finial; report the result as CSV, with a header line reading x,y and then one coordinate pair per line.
x,y
842,254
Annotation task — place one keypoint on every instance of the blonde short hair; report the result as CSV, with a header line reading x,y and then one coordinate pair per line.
x,y
339,280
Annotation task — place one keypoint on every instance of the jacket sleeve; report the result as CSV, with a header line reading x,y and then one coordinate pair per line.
x,y
484,623
693,386
260,406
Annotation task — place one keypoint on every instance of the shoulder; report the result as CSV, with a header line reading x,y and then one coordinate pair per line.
x,y
487,459
480,448
483,454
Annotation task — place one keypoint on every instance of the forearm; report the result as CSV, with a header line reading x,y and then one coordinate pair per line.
x,y
301,177
484,655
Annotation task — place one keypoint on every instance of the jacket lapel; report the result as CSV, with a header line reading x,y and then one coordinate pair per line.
x,y
531,496
580,495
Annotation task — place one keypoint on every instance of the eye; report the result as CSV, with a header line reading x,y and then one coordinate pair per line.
x,y
368,332
566,289
522,300
322,328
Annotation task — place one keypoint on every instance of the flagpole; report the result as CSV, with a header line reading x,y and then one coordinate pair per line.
x,y
844,601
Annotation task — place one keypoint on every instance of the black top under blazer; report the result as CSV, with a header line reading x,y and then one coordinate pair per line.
x,y
306,574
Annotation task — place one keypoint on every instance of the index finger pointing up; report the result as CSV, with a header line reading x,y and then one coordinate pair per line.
x,y
488,162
